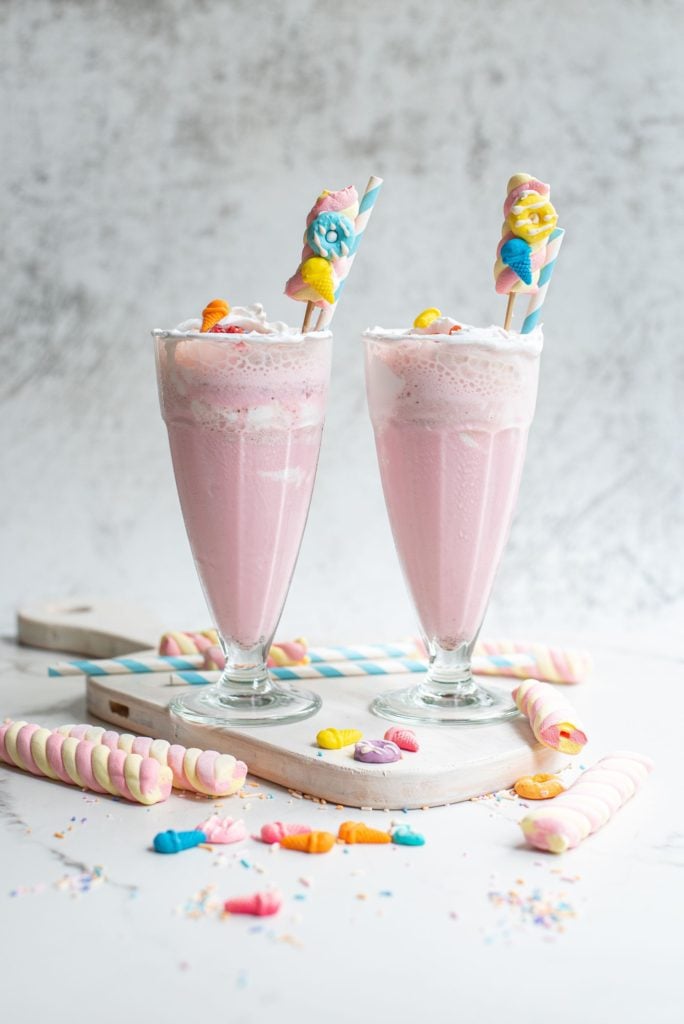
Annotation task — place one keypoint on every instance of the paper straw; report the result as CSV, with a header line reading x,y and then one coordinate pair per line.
x,y
124,666
368,200
537,299
340,669
371,659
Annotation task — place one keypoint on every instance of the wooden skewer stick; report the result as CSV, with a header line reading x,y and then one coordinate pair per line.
x,y
509,311
308,317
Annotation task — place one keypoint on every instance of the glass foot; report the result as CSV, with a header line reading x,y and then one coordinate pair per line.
x,y
267,705
430,704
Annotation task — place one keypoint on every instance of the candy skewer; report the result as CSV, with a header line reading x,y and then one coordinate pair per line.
x,y
368,200
509,311
308,317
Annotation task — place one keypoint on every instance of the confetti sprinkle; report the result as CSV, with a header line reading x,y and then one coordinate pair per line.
x,y
28,890
547,911
84,882
200,905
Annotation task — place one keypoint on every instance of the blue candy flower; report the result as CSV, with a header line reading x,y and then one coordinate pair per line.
x,y
331,235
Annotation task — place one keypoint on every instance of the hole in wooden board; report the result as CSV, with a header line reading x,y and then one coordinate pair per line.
x,y
119,709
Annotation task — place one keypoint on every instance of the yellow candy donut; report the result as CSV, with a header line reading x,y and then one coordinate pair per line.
x,y
533,218
539,787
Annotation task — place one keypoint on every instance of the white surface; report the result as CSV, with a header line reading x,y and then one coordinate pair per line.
x,y
159,155
436,948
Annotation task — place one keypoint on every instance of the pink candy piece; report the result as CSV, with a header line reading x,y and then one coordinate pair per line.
x,y
277,830
223,830
259,904
405,739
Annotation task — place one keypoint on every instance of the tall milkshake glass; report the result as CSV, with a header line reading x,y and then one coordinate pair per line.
x,y
451,414
244,414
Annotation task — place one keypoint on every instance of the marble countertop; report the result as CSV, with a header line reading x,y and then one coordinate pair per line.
x,y
469,927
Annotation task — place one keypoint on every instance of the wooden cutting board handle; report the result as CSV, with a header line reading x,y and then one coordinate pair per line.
x,y
94,628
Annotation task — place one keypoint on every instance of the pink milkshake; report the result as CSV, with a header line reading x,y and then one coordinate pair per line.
x,y
244,413
451,414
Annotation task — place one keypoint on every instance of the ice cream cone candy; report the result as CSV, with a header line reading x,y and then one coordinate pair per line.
x,y
211,314
358,832
404,738
277,830
259,904
335,739
312,842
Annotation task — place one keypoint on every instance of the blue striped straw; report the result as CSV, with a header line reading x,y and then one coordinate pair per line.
x,y
537,299
342,669
124,666
368,200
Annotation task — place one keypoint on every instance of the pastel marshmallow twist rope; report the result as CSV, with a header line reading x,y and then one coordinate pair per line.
x,y
588,804
80,762
553,664
552,720
199,771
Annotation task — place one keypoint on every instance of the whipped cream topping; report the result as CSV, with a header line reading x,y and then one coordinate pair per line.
x,y
494,336
253,321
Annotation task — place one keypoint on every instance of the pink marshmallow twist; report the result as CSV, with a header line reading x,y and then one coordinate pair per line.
x,y
552,720
176,644
553,664
79,762
283,653
199,771
562,823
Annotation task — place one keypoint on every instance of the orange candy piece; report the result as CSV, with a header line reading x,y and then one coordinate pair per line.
x,y
358,832
310,842
539,787
212,313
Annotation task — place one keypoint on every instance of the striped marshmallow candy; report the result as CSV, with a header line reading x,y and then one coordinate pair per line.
x,y
79,762
552,720
587,805
553,664
199,771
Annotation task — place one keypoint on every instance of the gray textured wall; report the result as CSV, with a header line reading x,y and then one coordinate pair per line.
x,y
157,154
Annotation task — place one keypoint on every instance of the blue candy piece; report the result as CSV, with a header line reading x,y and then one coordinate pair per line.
x,y
517,255
331,235
173,842
405,836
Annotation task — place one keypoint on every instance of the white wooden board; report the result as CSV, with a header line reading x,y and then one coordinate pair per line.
x,y
454,763
94,628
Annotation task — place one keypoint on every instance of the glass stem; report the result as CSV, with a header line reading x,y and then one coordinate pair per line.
x,y
449,669
245,671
